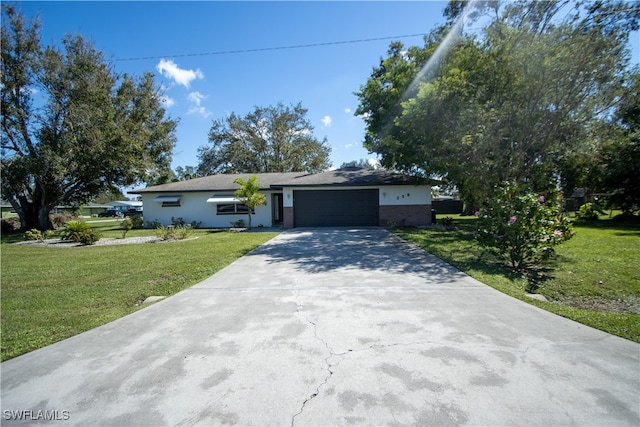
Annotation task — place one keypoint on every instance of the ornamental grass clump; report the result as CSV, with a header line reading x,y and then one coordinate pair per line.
x,y
178,232
522,227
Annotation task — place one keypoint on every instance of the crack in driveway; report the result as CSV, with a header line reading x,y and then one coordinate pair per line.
x,y
326,360
332,353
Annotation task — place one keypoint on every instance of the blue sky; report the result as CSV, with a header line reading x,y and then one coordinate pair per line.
x,y
200,88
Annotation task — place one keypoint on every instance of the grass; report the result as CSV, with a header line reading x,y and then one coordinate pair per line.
x,y
593,279
49,294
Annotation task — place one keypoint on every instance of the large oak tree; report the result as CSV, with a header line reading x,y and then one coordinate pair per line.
x,y
72,128
269,139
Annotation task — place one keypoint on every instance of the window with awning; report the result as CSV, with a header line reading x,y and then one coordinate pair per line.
x,y
223,200
228,205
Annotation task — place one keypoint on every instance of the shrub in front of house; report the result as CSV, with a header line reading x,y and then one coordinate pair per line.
x,y
137,222
184,232
9,225
80,232
155,224
126,225
587,212
522,227
178,222
58,220
178,232
35,234
238,224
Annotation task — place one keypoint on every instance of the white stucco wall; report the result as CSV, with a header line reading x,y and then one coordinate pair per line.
x,y
389,195
287,197
194,207
395,195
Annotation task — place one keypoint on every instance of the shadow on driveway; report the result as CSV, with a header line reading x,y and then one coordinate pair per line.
x,y
372,250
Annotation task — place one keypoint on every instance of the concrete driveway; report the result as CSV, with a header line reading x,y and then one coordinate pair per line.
x,y
332,327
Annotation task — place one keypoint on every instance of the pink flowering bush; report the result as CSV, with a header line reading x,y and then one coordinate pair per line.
x,y
522,227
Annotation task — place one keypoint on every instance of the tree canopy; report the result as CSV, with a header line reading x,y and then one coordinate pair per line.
x,y
72,128
522,101
268,139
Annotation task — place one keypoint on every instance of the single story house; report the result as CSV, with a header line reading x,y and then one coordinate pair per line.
x,y
344,197
126,205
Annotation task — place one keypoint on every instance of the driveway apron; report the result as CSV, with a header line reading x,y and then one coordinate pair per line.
x,y
331,327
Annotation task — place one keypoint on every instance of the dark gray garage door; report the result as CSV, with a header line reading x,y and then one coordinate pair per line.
x,y
330,208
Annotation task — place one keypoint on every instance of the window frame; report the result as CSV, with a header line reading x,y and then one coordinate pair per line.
x,y
236,207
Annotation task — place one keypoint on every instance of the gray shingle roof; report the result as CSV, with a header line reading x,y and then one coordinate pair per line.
x,y
352,177
222,182
336,178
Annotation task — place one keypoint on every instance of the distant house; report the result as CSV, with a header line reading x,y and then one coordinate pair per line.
x,y
125,205
578,198
348,197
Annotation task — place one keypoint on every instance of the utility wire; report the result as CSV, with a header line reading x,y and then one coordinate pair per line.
x,y
264,49
301,46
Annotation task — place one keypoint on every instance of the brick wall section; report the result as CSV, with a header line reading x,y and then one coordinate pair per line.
x,y
287,218
405,215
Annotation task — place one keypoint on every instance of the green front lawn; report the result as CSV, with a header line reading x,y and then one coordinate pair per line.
x,y
49,294
594,279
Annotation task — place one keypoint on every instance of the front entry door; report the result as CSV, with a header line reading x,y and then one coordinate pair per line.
x,y
277,208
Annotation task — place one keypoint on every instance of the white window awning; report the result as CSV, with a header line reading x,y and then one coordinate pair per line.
x,y
161,199
223,199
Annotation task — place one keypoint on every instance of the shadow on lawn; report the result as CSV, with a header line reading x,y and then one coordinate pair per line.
x,y
460,249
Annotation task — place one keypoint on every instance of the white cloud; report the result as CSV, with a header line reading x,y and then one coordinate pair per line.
x,y
326,121
170,70
347,110
199,110
348,146
196,98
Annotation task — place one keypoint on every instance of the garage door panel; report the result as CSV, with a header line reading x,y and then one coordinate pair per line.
x,y
332,208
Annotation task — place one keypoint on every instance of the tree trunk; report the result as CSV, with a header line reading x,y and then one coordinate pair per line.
x,y
33,216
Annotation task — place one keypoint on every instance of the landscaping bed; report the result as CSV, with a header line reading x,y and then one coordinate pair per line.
x,y
109,241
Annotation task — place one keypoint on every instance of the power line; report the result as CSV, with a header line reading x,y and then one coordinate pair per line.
x,y
264,49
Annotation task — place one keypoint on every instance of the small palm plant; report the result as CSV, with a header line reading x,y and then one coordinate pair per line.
x,y
249,194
